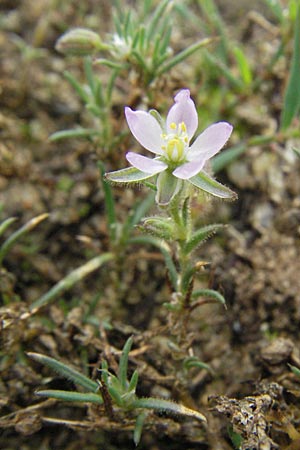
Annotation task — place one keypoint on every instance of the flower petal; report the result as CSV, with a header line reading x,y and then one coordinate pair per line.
x,y
145,129
145,164
189,169
210,141
185,111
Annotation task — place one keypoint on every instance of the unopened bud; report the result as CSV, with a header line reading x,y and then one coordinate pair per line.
x,y
79,42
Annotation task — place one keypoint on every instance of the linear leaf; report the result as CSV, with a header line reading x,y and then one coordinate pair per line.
x,y
6,223
291,104
123,364
167,405
14,237
201,235
181,56
66,371
69,396
72,278
76,132
210,293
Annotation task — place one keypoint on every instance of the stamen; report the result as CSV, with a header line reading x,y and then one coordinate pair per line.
x,y
173,126
183,127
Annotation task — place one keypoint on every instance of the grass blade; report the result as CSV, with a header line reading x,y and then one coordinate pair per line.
x,y
13,238
71,279
291,104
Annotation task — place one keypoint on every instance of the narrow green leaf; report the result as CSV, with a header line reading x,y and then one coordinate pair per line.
x,y
201,235
244,67
142,62
158,14
6,223
71,279
75,133
214,24
66,371
14,237
291,103
165,42
138,429
181,56
128,175
167,405
116,396
276,8
68,396
204,182
193,361
123,364
109,63
210,293
133,381
295,370
128,23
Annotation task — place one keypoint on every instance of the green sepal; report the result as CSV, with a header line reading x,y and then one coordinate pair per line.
x,y
201,235
128,175
167,187
204,182
161,227
69,396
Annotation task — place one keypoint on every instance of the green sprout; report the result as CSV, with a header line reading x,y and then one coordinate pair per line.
x,y
112,391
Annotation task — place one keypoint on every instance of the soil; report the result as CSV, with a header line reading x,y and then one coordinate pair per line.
x,y
250,390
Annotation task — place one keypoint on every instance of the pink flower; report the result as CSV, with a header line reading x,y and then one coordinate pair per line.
x,y
175,161
172,145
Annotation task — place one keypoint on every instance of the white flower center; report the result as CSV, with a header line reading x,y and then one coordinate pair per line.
x,y
176,143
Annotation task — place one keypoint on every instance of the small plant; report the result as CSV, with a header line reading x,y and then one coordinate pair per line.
x,y
112,391
177,174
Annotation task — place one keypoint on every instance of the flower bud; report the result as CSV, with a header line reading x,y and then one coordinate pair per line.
x,y
79,42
